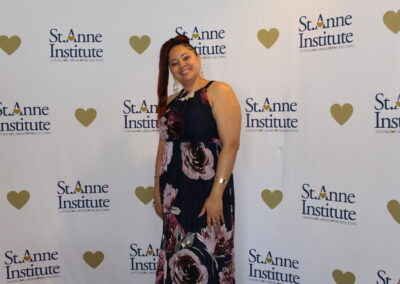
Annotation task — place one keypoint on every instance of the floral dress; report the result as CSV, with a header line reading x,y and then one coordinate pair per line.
x,y
190,252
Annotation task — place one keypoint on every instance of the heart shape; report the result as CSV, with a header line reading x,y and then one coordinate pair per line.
x,y
269,260
268,38
78,189
17,111
139,44
341,113
144,194
392,21
85,117
10,45
272,199
320,24
394,208
343,278
267,107
322,194
144,109
27,258
18,200
93,259
398,103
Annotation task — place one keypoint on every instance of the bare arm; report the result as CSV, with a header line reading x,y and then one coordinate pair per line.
x,y
226,112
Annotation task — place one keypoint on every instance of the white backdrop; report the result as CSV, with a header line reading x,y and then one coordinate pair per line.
x,y
316,179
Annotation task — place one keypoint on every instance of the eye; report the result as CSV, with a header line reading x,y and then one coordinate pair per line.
x,y
173,63
186,57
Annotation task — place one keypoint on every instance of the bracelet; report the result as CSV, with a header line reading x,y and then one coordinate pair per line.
x,y
220,180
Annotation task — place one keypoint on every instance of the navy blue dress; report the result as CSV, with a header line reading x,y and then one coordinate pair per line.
x,y
190,252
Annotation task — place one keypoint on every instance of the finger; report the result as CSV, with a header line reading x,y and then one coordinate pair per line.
x,y
203,210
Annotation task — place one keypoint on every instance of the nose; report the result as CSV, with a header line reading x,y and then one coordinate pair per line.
x,y
181,63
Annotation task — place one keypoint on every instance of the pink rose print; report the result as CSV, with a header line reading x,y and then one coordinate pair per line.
x,y
161,268
174,233
218,243
166,157
185,267
169,197
197,160
226,276
204,96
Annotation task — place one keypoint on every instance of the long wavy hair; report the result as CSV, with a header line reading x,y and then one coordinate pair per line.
x,y
163,73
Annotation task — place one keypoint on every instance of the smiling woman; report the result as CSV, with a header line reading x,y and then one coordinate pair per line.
x,y
193,189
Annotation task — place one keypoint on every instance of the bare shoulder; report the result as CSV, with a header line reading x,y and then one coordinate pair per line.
x,y
219,87
220,92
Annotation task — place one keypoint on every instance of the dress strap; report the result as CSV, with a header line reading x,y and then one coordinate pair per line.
x,y
208,84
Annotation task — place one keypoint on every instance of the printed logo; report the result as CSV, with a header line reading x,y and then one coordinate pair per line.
x,y
341,113
143,259
82,197
19,119
386,278
387,114
30,266
270,116
93,259
392,21
73,46
272,199
269,268
328,206
85,117
268,38
18,199
144,194
9,45
209,43
139,116
343,278
320,32
139,44
394,209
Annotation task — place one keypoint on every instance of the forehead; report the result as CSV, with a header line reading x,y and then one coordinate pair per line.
x,y
178,50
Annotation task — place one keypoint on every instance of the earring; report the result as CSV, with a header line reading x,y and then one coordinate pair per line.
x,y
201,74
175,86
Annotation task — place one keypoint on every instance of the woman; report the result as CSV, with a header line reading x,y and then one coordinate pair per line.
x,y
193,192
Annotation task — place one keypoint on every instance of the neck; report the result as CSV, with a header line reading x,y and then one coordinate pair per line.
x,y
195,85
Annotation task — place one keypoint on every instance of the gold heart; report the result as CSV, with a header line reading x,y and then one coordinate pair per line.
x,y
322,194
320,24
268,38
144,194
149,252
85,117
27,258
17,110
343,278
341,113
269,260
93,259
398,103
139,44
143,109
9,45
78,189
267,107
71,38
18,200
272,199
394,209
196,35
392,21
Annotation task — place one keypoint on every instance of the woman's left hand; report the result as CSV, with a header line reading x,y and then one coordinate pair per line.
x,y
213,207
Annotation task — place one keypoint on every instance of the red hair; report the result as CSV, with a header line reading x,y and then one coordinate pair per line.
x,y
163,73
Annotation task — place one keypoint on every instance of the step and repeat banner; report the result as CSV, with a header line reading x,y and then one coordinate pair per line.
x,y
317,176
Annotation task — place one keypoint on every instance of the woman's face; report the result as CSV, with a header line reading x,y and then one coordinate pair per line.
x,y
184,64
